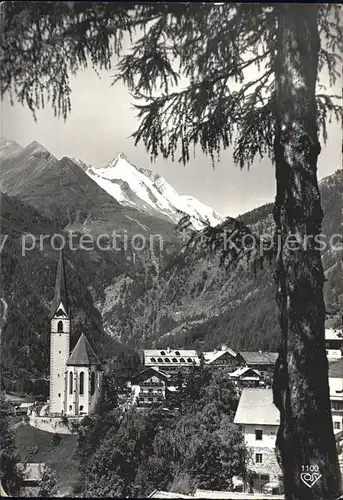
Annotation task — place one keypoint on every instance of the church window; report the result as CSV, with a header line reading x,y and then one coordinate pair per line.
x,y
59,394
92,383
81,407
82,381
70,407
70,382
60,326
59,352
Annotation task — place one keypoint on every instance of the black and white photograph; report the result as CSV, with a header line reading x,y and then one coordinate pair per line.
x,y
171,250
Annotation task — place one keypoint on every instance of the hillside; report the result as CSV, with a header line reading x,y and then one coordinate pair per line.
x,y
140,298
36,446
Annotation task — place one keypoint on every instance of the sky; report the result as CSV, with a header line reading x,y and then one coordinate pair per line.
x,y
99,128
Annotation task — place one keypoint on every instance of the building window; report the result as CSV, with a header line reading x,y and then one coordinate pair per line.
x,y
337,425
163,353
81,407
153,360
167,360
182,360
59,394
189,360
174,360
264,477
160,360
70,407
70,382
59,352
258,434
60,326
258,458
177,353
92,383
82,382
58,375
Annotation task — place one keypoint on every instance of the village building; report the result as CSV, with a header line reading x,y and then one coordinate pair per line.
x,y
148,386
333,343
31,477
171,361
260,419
224,358
336,394
75,378
246,377
262,361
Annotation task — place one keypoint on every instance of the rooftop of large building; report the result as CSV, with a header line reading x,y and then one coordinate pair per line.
x,y
83,354
259,357
256,407
170,356
333,334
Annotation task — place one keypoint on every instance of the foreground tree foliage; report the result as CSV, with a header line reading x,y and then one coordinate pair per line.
x,y
10,477
136,452
250,80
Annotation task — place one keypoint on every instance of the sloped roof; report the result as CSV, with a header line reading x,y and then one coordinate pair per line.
x,y
153,372
31,471
211,356
151,356
336,369
243,370
256,407
61,293
83,354
264,358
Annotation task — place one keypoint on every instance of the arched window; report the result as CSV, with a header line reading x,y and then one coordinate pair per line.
x,y
160,360
177,353
70,407
92,383
174,360
153,360
82,383
189,360
81,407
60,326
167,360
163,353
70,382
182,360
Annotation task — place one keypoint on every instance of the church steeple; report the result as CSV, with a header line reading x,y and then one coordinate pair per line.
x,y
61,293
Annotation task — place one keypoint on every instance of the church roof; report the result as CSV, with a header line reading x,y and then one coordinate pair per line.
x,y
61,294
82,354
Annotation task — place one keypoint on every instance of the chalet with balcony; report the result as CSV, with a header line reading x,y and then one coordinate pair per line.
x,y
148,386
261,361
224,358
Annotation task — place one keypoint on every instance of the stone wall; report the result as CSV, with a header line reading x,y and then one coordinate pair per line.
x,y
51,424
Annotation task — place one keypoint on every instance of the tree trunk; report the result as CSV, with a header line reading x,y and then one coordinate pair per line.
x,y
301,391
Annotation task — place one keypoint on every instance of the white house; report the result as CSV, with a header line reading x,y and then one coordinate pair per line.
x,y
149,386
260,419
171,360
336,393
333,343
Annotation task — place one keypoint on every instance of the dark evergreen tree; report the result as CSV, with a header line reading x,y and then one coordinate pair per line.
x,y
275,113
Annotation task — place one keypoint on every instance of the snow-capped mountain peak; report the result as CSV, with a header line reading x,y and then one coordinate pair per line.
x,y
149,192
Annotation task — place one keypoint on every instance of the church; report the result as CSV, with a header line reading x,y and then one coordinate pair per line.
x,y
75,377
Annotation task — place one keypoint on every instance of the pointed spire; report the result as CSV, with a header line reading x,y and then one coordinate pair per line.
x,y
61,294
82,354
